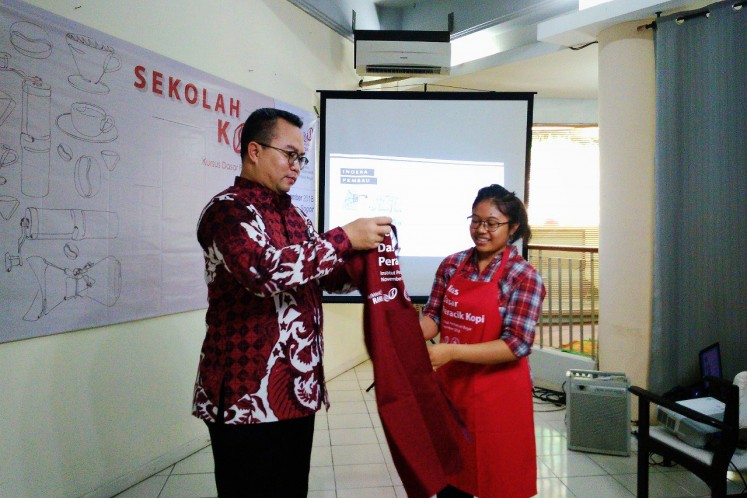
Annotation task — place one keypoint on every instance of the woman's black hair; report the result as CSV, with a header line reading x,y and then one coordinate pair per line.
x,y
260,126
507,203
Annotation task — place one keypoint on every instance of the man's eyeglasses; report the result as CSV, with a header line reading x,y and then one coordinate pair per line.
x,y
292,156
491,225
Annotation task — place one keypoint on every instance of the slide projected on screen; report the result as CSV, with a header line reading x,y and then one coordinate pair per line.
x,y
420,158
384,185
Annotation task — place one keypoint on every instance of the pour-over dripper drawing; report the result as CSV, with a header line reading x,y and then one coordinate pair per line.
x,y
8,206
93,60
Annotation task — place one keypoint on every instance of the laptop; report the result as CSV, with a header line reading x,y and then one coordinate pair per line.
x,y
710,361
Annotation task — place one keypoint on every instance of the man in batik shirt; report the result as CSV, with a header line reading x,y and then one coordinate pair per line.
x,y
260,379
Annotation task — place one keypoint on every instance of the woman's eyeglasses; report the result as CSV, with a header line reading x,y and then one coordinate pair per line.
x,y
491,224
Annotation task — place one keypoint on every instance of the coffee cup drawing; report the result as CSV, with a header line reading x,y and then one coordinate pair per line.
x,y
93,60
89,122
90,119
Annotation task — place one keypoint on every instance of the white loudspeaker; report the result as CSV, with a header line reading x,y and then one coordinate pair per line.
x,y
598,412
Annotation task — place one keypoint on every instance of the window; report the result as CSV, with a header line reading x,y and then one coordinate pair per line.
x,y
564,176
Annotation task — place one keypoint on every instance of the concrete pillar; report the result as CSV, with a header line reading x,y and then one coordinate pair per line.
x,y
626,145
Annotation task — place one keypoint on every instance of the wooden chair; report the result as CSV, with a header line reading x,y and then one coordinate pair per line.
x,y
710,464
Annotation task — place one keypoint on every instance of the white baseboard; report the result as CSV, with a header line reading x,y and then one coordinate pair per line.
x,y
341,368
549,366
156,465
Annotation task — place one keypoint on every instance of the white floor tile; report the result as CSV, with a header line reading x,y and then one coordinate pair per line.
x,y
345,407
166,471
552,488
322,479
400,491
149,488
349,375
349,421
321,438
199,463
572,465
350,458
328,493
690,482
543,470
335,396
321,456
554,445
189,486
366,376
596,487
362,476
357,454
343,385
352,436
659,485
617,464
393,474
382,492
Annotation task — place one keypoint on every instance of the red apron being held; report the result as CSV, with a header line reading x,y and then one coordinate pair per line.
x,y
494,401
421,430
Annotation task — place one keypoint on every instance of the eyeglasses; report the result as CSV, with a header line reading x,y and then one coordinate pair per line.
x,y
491,225
292,156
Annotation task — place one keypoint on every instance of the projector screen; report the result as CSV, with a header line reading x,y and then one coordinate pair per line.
x,y
419,158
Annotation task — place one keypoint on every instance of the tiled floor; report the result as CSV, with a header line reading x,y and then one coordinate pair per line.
x,y
350,458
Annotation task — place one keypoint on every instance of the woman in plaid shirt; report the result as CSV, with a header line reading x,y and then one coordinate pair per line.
x,y
485,303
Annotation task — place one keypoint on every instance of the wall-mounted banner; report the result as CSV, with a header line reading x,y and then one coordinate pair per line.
x,y
108,153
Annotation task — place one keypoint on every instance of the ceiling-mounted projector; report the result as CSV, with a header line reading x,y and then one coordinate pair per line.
x,y
402,53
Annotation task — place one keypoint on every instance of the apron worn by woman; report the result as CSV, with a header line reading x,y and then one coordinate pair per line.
x,y
494,401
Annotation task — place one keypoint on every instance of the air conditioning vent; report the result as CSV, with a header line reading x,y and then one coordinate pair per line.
x,y
425,70
402,53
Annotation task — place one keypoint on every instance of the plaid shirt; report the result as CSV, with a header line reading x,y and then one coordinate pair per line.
x,y
521,292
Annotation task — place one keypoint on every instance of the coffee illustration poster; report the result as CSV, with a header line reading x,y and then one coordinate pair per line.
x,y
108,152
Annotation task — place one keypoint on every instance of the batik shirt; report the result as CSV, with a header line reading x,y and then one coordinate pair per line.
x,y
520,295
261,359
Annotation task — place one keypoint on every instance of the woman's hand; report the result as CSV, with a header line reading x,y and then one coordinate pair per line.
x,y
440,354
482,353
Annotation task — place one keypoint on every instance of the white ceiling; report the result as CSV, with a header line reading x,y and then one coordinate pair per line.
x,y
534,36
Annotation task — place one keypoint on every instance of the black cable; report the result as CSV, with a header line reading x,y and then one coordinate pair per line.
x,y
548,396
581,47
739,473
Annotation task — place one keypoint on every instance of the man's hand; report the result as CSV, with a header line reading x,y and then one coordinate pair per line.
x,y
367,233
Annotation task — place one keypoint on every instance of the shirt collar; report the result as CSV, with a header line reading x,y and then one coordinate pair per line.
x,y
263,195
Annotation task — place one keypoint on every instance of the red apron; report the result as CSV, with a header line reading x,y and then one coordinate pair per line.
x,y
420,428
494,401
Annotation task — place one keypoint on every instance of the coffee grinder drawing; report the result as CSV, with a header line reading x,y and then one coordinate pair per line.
x,y
35,137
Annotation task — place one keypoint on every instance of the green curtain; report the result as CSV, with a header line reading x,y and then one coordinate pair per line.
x,y
700,220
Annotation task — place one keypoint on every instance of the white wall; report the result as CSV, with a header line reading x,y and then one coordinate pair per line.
x,y
94,411
566,111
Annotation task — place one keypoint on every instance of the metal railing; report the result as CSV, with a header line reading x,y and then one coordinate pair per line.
x,y
569,313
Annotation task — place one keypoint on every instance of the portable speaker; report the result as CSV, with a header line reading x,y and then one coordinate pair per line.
x,y
598,412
